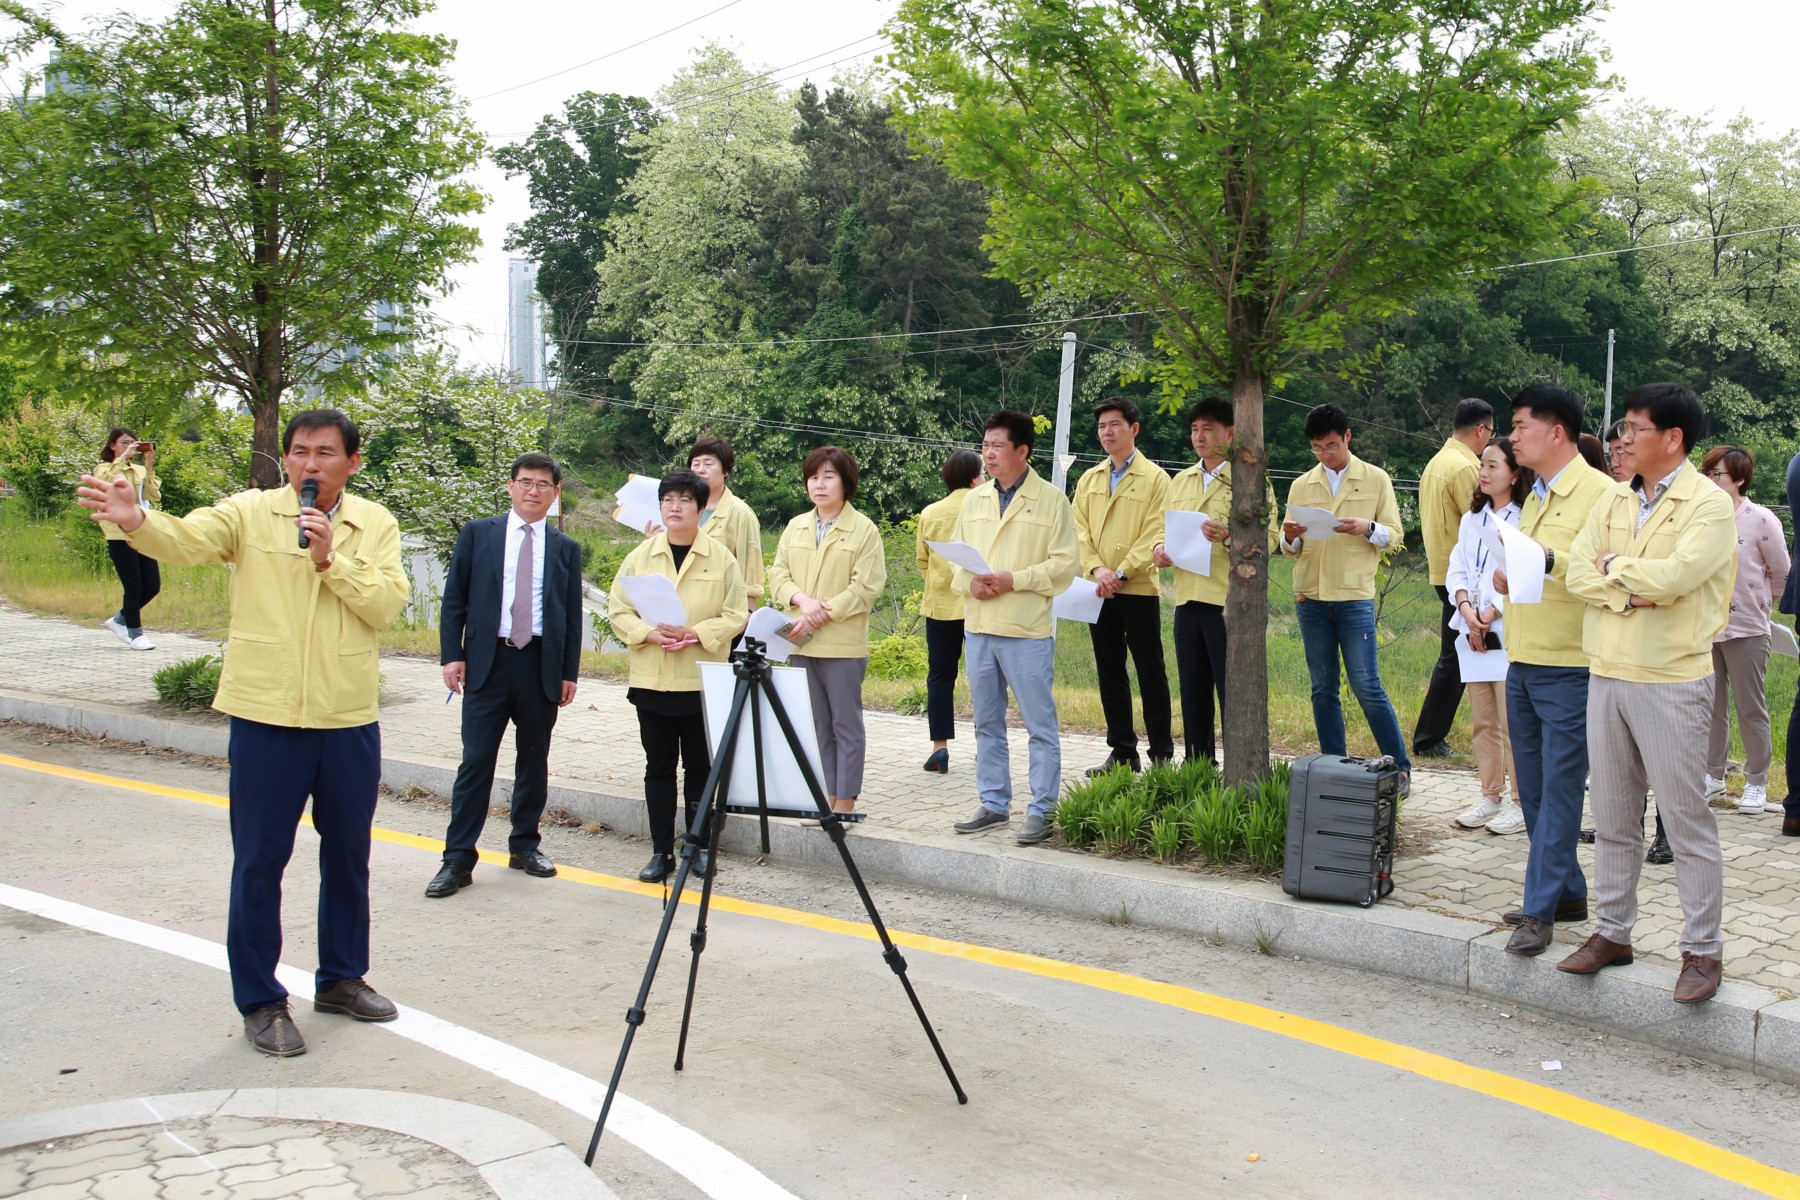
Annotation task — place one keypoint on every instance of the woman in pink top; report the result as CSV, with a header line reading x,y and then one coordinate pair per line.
x,y
1741,651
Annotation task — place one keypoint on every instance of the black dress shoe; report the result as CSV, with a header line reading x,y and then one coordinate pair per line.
x,y
450,879
939,762
1790,827
1660,854
1586,836
1531,938
1569,911
1437,749
659,868
703,863
1116,761
532,862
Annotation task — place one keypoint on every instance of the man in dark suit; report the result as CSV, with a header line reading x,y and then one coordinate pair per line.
x,y
510,642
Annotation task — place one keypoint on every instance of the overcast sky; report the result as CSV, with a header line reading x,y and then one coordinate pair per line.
x,y
1724,56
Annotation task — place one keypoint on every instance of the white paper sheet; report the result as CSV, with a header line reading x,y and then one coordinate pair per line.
x,y
654,598
763,624
1184,541
1479,666
1080,603
963,555
1524,566
1781,640
1319,522
638,505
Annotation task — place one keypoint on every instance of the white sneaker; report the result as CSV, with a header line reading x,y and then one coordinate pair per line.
x,y
141,642
1479,813
1511,819
1715,788
118,627
1755,798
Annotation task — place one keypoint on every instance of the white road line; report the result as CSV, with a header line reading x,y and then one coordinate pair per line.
x,y
707,1165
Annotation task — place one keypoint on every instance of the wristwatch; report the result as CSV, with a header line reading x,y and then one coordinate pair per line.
x,y
330,557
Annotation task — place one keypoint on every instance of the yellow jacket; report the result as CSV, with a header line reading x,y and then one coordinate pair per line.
x,y
302,650
1549,634
1684,562
1035,540
1118,527
142,478
1342,567
847,571
937,523
1446,487
711,588
1188,493
734,526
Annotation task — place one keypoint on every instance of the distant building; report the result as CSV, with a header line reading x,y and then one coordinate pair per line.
x,y
524,324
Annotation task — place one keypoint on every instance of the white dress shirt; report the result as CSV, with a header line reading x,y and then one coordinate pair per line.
x,y
1379,537
515,535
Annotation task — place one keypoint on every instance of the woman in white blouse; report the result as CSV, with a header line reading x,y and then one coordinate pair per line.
x,y
1499,491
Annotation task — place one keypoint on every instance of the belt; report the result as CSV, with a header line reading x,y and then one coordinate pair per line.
x,y
507,645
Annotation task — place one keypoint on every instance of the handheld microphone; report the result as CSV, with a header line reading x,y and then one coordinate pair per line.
x,y
309,498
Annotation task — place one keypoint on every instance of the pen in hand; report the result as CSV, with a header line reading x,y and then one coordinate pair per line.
x,y
451,696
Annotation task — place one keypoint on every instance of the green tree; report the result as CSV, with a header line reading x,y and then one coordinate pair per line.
x,y
1267,174
225,198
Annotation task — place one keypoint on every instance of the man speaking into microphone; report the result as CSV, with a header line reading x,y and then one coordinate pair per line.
x,y
317,574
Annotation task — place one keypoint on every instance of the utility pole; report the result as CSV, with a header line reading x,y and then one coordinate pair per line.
x,y
1065,398
1606,422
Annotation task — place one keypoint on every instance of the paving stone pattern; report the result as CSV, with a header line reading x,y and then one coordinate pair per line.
x,y
1443,869
234,1158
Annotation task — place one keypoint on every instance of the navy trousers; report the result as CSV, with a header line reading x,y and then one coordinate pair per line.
x,y
274,769
1546,714
513,691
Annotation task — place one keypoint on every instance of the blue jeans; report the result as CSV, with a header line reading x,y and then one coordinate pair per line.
x,y
1546,715
1026,666
1328,629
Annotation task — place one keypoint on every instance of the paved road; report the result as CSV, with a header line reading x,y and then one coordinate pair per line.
x,y
1122,1062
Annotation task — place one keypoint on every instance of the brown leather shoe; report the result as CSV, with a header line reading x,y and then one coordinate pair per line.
x,y
354,998
1595,953
1790,827
272,1031
1531,938
1699,978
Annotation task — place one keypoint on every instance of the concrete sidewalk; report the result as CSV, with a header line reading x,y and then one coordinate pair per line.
x,y
1441,924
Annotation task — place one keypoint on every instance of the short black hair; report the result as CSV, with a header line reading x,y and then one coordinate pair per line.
x,y
1670,406
960,470
1124,406
536,460
682,481
838,460
718,448
1326,420
113,435
323,418
1553,403
1472,412
1019,428
1616,431
1213,408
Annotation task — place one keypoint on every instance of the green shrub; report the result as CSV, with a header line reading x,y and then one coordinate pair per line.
x,y
1161,787
901,656
1165,837
190,683
915,703
83,541
1265,825
1215,823
1123,821
1077,816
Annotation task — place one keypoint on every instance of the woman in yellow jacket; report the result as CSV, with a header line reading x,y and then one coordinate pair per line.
x,y
139,575
829,569
665,659
942,606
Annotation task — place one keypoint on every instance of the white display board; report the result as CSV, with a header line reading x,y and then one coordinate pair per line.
x,y
785,786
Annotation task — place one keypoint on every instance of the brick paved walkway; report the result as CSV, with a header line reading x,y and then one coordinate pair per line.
x,y
1458,873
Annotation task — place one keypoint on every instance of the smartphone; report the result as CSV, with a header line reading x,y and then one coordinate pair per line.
x,y
1490,641
146,447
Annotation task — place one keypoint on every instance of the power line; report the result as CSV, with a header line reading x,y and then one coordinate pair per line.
x,y
610,54
1714,237
860,337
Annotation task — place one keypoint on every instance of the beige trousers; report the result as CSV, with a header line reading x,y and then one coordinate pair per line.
x,y
1741,663
1493,748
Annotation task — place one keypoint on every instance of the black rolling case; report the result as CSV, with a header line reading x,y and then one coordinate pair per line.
x,y
1342,818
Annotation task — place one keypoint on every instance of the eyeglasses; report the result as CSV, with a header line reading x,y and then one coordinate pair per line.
x,y
534,485
1718,474
1634,430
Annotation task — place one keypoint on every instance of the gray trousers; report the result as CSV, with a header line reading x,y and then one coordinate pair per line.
x,y
1643,735
1741,663
835,685
1027,666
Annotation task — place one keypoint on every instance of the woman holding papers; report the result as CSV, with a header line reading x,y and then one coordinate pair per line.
x,y
941,606
1500,489
829,569
1740,652
138,573
666,651
726,518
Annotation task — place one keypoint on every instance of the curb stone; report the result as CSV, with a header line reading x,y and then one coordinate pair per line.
x,y
1745,1026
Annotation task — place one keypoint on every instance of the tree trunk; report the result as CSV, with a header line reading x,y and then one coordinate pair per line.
x,y
1246,704
269,369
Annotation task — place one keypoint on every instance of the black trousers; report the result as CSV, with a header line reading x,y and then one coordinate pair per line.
x,y
512,692
1444,693
140,577
1200,667
1134,623
668,739
943,656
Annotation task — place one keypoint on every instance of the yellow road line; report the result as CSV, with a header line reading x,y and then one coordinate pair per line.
x,y
1625,1127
